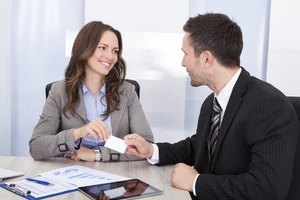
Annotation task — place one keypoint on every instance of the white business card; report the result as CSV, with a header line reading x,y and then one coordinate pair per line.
x,y
116,144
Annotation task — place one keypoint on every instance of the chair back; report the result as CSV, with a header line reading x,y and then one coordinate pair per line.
x,y
133,82
294,190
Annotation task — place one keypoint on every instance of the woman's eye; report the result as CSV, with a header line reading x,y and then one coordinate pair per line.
x,y
115,51
101,47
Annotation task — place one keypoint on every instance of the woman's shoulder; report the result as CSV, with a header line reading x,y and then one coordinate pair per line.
x,y
126,88
126,84
58,87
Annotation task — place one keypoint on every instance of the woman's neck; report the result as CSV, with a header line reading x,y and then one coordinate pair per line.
x,y
94,84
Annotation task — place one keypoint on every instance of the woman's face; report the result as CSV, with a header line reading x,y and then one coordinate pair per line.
x,y
105,55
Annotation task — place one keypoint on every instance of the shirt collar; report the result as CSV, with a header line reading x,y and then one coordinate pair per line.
x,y
86,90
225,93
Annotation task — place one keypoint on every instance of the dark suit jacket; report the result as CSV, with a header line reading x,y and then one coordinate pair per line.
x,y
256,146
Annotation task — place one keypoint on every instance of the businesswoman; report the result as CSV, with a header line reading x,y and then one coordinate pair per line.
x,y
91,103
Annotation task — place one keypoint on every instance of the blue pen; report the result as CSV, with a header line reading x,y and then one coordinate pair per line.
x,y
38,181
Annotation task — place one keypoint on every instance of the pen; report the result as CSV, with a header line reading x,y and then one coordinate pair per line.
x,y
38,181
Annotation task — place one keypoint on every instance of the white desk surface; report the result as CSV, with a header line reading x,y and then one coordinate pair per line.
x,y
157,176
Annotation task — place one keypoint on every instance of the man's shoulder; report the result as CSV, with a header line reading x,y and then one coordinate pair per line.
x,y
264,89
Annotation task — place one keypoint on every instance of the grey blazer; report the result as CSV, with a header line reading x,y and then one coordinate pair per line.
x,y
53,134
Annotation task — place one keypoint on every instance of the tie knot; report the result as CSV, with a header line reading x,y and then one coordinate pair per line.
x,y
216,106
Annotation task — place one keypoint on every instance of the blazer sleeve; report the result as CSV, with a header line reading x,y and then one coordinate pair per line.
x,y
47,140
182,151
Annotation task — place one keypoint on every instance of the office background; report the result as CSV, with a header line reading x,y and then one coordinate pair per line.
x,y
36,38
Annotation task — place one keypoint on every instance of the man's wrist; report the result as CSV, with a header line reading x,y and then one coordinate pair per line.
x,y
194,185
151,151
155,155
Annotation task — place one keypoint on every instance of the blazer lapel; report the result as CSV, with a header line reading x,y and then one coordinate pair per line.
x,y
201,158
234,103
81,112
207,121
117,115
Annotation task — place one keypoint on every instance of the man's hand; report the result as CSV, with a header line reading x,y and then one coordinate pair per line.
x,y
183,177
138,146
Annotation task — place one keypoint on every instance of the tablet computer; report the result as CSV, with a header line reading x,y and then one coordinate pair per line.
x,y
128,189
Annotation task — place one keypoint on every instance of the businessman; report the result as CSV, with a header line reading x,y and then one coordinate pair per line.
x,y
245,143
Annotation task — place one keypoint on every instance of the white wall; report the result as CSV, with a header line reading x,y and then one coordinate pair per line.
x,y
34,35
5,77
284,47
38,41
152,36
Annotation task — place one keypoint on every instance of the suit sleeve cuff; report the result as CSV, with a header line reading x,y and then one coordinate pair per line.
x,y
77,144
155,157
194,185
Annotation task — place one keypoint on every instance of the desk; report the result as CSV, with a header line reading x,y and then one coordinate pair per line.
x,y
157,176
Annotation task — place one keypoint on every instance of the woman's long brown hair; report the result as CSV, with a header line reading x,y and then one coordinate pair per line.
x,y
83,48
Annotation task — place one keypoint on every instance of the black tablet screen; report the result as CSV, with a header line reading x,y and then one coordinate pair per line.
x,y
128,189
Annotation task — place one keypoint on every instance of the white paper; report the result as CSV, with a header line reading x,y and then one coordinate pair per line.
x,y
6,173
82,176
38,190
116,144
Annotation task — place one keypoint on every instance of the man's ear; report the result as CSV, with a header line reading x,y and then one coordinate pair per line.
x,y
207,58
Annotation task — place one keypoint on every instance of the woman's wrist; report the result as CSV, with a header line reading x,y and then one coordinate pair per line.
x,y
76,134
97,155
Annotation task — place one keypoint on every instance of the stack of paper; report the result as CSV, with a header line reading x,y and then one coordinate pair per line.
x,y
59,181
6,173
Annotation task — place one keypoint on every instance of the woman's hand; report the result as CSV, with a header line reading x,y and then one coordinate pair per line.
x,y
96,129
84,154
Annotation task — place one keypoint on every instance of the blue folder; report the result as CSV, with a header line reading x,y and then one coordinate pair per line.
x,y
27,194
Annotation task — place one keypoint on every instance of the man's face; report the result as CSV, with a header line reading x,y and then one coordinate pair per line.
x,y
192,63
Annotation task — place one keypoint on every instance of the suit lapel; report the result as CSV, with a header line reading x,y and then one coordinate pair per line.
x,y
117,114
234,103
207,120
80,111
203,131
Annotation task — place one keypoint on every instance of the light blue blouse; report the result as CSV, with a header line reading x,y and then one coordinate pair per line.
x,y
95,107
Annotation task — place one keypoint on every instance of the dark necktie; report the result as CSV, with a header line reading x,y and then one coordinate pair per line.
x,y
215,125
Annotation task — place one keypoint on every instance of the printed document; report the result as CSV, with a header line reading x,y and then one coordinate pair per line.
x,y
39,190
82,176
